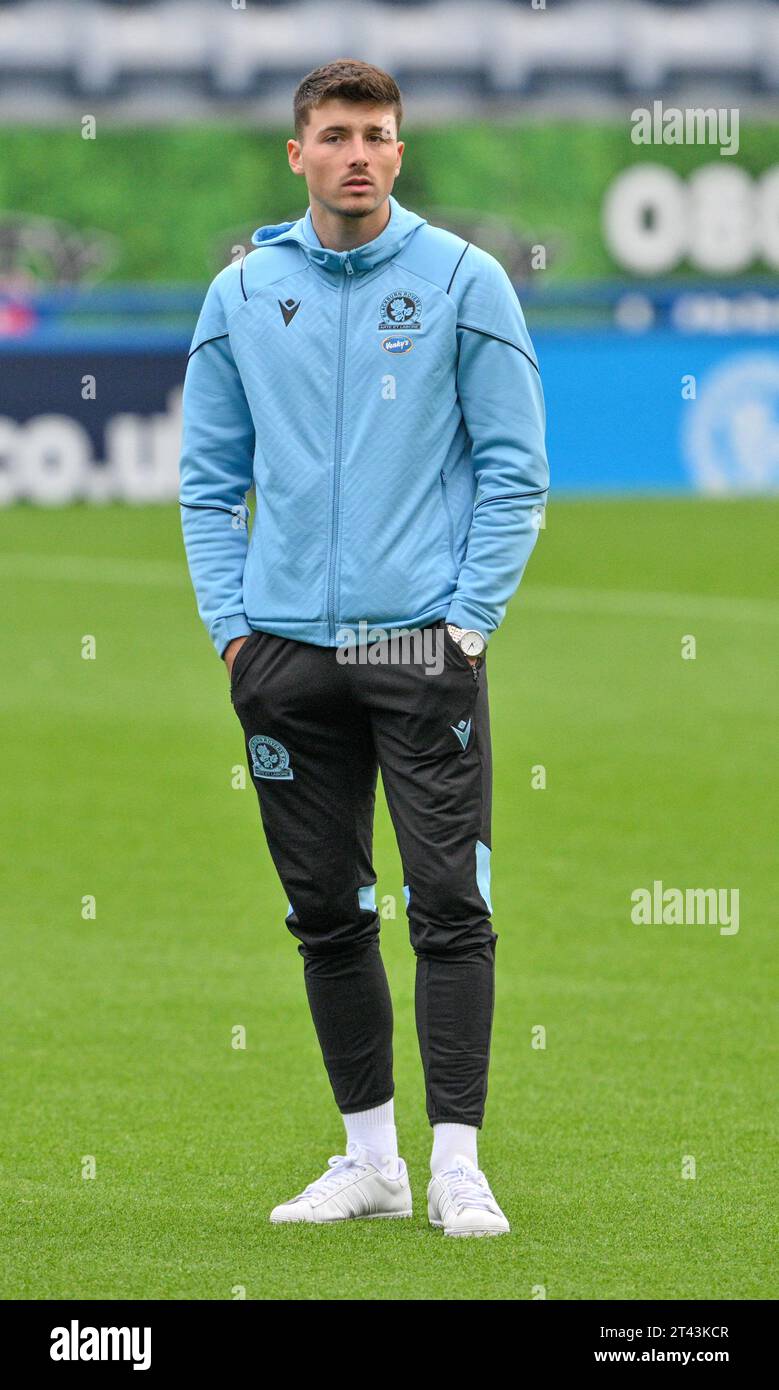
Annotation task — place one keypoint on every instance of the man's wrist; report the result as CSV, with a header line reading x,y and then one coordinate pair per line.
x,y
230,646
225,630
471,641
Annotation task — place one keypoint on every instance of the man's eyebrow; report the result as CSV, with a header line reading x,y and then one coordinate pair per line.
x,y
328,128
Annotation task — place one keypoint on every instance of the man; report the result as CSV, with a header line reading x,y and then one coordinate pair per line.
x,y
372,377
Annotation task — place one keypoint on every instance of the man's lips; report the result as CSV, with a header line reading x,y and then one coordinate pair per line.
x,y
357,183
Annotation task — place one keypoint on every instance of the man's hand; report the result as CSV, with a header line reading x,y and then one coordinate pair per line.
x,y
231,651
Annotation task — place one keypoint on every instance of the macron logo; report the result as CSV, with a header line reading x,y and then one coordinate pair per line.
x,y
289,309
462,730
102,1344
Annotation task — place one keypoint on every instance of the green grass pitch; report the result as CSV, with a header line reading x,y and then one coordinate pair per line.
x,y
117,1030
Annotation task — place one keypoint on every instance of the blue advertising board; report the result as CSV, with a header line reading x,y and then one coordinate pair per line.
x,y
661,411
93,411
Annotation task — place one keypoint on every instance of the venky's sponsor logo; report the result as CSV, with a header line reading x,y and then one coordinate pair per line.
x,y
397,344
686,907
76,1343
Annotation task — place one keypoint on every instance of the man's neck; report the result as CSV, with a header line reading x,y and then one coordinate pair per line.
x,y
339,233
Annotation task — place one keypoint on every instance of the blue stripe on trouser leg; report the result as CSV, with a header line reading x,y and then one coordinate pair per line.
x,y
483,854
367,897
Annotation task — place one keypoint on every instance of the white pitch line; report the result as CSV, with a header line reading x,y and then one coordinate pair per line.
x,y
631,603
628,603
79,569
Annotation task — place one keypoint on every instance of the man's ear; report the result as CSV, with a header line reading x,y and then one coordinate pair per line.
x,y
294,152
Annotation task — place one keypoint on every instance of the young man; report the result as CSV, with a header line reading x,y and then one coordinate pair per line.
x,y
371,375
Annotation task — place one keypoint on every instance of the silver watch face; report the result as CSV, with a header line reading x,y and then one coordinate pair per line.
x,y
472,643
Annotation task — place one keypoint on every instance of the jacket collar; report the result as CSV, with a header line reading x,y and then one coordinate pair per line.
x,y
401,225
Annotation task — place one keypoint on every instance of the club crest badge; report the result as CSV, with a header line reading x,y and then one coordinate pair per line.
x,y
269,758
401,309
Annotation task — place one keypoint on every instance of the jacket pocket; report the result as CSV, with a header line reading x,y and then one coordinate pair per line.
x,y
448,511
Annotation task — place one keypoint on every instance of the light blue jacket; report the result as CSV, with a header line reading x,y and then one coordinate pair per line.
x,y
385,403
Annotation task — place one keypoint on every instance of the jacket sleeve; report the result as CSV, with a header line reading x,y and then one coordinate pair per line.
x,y
502,403
216,472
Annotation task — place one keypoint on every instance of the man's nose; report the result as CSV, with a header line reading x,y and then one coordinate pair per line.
x,y
357,153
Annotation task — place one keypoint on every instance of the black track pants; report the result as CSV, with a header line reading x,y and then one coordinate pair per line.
x,y
317,730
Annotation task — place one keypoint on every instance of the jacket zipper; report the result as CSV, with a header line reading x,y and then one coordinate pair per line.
x,y
335,515
449,521
505,496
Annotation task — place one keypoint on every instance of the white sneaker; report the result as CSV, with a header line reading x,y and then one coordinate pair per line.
x,y
459,1199
354,1187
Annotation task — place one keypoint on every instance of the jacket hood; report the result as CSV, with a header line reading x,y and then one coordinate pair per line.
x,y
401,225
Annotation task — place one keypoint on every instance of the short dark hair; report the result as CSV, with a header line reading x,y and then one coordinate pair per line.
x,y
345,79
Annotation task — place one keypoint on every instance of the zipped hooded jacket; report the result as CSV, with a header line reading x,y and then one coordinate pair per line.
x,y
385,404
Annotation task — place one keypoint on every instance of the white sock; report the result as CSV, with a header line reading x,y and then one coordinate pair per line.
x,y
375,1131
448,1142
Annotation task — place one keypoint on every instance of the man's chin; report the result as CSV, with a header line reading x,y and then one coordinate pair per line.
x,y
358,205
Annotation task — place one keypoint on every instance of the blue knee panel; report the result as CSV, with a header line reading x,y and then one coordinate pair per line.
x,y
367,897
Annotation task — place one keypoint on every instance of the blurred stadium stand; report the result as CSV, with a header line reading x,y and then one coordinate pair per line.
x,y
617,341
173,57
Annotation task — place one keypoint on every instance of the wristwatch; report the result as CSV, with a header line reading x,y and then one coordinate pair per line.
x,y
469,640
